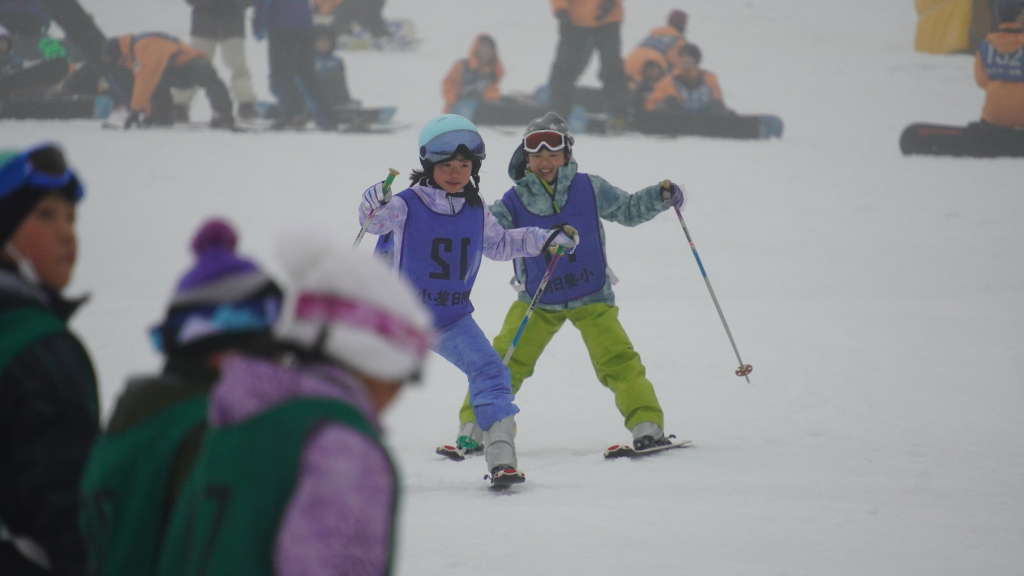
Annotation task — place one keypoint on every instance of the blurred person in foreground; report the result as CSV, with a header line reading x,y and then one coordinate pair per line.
x,y
224,304
49,411
292,478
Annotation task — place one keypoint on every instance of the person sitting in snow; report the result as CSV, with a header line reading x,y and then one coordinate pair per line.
x,y
549,189
475,77
9,63
655,48
999,70
688,88
330,69
224,305
471,88
162,62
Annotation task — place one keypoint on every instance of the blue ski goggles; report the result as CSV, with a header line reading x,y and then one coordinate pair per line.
x,y
188,326
19,173
445,146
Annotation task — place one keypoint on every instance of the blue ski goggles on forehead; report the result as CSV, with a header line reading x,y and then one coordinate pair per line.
x,y
445,146
190,325
19,173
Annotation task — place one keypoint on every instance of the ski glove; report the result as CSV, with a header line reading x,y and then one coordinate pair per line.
x,y
673,195
375,196
562,235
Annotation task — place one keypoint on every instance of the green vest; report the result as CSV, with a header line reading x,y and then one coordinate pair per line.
x,y
23,326
226,519
125,488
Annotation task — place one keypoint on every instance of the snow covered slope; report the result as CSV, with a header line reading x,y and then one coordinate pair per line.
x,y
878,297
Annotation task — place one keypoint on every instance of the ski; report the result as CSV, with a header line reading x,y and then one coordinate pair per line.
x,y
505,478
627,451
450,452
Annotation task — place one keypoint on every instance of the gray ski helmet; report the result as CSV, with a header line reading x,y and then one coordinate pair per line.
x,y
554,122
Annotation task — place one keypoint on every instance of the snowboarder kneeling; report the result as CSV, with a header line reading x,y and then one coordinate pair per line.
x,y
162,62
549,190
655,48
999,70
689,88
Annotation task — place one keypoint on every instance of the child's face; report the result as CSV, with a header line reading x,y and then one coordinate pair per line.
x,y
686,64
546,163
453,175
47,238
652,72
485,52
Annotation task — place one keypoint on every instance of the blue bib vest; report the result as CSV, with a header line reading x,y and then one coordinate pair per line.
x,y
474,83
661,42
695,99
1005,67
576,275
441,256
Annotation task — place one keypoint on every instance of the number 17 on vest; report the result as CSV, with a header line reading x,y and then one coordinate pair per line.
x,y
387,186
533,303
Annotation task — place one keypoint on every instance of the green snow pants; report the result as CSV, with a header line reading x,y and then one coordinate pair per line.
x,y
617,365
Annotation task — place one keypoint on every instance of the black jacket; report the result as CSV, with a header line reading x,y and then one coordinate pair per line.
x,y
218,19
49,418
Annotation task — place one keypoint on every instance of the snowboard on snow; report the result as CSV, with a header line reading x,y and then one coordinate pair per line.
x,y
32,78
627,450
355,118
973,140
736,126
58,108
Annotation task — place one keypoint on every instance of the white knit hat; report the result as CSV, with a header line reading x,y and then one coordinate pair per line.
x,y
349,307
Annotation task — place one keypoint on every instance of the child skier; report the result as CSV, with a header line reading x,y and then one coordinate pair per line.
x,y
549,189
436,232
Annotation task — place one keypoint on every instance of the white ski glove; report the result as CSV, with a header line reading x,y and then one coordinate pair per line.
x,y
562,235
673,195
375,196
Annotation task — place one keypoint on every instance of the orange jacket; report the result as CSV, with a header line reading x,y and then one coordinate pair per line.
x,y
671,87
469,74
654,48
148,55
585,13
999,69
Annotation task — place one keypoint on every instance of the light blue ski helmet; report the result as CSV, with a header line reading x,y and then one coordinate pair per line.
x,y
442,137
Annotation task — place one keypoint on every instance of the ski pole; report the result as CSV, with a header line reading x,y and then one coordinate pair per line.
x,y
744,369
533,303
387,186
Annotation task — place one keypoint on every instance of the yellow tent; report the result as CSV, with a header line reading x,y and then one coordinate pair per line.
x,y
946,26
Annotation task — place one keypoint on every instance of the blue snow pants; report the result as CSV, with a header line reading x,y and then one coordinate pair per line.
x,y
490,383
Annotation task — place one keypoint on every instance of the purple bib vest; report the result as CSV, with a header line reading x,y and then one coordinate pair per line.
x,y
441,256
576,275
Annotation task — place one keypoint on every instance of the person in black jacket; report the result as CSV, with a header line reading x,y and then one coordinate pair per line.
x,y
49,411
221,23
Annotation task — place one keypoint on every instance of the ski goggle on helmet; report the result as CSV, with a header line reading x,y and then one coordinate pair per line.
x,y
20,171
550,139
444,136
